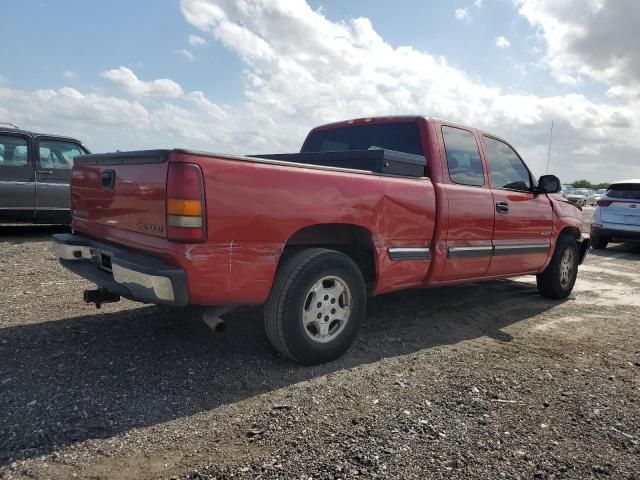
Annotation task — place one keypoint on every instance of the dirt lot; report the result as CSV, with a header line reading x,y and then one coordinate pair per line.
x,y
477,381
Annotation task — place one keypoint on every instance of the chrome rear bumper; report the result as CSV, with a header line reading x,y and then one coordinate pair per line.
x,y
122,271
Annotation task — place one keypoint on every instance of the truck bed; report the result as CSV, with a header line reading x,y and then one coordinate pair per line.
x,y
254,206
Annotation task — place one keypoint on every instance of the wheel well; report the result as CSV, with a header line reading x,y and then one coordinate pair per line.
x,y
351,240
572,232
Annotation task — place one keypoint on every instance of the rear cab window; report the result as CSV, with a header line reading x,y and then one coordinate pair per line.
x,y
400,137
463,157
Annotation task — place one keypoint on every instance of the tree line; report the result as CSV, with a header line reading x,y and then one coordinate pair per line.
x,y
589,185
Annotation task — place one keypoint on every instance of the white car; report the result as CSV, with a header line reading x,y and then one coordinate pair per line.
x,y
582,197
600,193
617,215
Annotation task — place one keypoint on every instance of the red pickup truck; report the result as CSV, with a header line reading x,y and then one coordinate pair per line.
x,y
368,206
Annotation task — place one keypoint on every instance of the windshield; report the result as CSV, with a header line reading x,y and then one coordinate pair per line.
x,y
627,191
401,137
581,192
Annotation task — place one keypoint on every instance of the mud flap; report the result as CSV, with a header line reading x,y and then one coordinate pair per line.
x,y
583,246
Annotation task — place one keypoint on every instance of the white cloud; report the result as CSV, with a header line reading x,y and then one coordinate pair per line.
x,y
89,116
461,13
186,54
125,78
69,74
502,42
478,3
590,38
301,70
196,41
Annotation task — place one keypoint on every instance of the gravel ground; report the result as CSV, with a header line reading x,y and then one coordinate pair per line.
x,y
478,381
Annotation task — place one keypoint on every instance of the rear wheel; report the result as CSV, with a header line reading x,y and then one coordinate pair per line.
x,y
316,306
558,279
599,243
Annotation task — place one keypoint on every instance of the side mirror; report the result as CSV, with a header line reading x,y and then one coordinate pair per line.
x,y
549,184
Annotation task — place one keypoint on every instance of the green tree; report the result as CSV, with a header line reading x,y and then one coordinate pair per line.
x,y
589,185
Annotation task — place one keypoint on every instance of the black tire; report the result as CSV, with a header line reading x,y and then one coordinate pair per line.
x,y
550,282
283,314
599,243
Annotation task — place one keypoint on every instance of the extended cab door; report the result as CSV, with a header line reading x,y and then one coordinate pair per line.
x,y
55,161
470,207
17,187
523,220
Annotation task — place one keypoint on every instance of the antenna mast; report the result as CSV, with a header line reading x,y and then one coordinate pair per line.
x,y
549,151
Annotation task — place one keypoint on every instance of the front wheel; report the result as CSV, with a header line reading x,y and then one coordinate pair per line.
x,y
316,306
558,279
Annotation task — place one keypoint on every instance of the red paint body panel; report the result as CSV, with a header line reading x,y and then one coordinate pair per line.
x,y
253,208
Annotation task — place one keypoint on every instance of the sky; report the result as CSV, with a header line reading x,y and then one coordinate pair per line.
x,y
253,76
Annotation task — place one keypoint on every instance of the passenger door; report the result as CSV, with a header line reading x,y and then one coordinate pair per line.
x,y
55,161
470,207
17,187
523,220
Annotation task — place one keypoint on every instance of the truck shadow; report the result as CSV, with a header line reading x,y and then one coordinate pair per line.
x,y
623,251
30,233
99,375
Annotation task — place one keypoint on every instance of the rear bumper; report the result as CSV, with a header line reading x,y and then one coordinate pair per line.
x,y
629,234
132,275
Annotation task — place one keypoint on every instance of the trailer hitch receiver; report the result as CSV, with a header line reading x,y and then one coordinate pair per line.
x,y
100,296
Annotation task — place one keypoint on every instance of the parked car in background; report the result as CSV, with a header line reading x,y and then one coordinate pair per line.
x,y
368,206
567,188
582,197
600,193
617,214
35,170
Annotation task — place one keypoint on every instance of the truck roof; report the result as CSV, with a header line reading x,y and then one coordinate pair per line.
x,y
20,131
381,119
395,119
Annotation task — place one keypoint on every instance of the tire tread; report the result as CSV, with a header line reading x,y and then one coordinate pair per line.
x,y
285,279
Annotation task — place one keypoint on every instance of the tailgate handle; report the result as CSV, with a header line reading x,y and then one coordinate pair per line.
x,y
108,179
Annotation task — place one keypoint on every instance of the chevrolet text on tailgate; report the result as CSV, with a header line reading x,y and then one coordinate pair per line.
x,y
368,206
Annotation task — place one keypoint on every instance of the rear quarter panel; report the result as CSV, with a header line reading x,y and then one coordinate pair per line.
x,y
254,208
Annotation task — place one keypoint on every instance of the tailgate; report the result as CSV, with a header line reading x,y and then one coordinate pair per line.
x,y
621,204
123,190
626,213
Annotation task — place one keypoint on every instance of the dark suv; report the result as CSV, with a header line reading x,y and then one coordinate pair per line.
x,y
35,170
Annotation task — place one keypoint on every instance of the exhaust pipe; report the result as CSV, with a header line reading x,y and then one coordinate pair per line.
x,y
100,296
211,317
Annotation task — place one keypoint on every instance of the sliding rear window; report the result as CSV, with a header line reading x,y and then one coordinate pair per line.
x,y
401,137
626,191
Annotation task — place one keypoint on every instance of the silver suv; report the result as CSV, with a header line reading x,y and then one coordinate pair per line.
x,y
617,214
35,170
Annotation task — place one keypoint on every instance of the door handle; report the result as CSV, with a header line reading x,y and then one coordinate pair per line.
x,y
45,172
502,207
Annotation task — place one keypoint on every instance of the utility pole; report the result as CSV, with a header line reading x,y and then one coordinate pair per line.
x,y
549,151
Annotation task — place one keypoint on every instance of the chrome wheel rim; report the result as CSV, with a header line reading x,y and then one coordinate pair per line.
x,y
326,309
566,268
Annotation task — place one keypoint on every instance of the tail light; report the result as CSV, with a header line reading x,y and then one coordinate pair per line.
x,y
186,216
604,203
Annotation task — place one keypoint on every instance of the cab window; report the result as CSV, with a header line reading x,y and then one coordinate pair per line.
x,y
507,170
463,157
57,155
13,151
